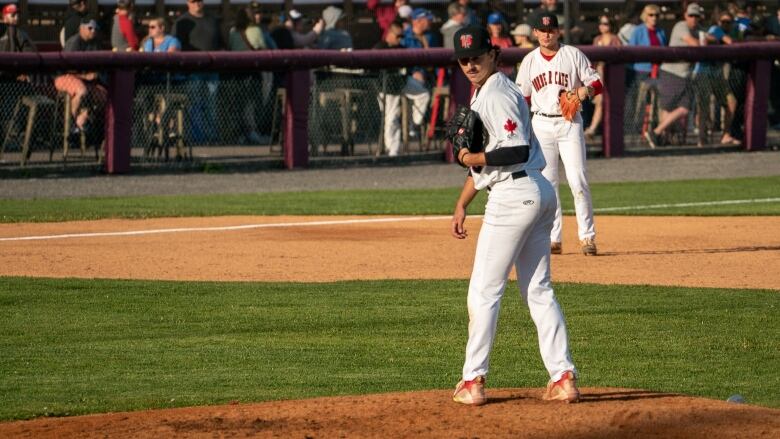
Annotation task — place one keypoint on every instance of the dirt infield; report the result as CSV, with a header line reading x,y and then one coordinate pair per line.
x,y
510,413
732,252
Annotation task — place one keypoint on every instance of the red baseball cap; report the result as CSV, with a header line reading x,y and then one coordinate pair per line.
x,y
10,9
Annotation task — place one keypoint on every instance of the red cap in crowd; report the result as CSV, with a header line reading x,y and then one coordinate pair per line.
x,y
9,9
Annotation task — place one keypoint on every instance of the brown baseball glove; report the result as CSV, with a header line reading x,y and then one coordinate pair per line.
x,y
570,104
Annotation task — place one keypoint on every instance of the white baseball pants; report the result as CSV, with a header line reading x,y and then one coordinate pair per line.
x,y
390,104
558,136
516,231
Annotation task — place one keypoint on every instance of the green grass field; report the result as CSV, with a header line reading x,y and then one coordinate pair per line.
x,y
84,346
401,202
87,346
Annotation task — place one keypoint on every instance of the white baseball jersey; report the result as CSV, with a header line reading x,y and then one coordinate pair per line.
x,y
515,232
504,114
543,80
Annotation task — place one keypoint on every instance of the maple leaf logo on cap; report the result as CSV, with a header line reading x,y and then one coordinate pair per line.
x,y
545,21
466,40
510,126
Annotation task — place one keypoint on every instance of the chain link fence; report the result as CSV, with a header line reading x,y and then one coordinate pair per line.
x,y
239,116
206,116
212,117
712,99
48,117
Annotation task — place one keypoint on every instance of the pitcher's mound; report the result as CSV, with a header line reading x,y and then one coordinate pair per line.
x,y
511,413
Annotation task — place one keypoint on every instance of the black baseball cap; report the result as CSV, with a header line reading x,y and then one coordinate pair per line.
x,y
471,41
546,21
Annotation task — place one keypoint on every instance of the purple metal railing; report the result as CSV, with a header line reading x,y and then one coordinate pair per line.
x,y
121,68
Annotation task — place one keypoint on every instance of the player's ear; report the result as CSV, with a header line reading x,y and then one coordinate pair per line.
x,y
496,53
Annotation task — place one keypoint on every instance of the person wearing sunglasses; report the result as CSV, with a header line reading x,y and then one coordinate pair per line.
x,y
639,74
76,12
123,37
158,40
675,90
87,95
711,81
515,230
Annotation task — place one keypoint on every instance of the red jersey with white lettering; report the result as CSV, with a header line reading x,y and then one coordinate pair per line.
x,y
543,79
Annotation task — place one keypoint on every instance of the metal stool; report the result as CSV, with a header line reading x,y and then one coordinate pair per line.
x,y
38,108
278,108
349,112
170,109
67,122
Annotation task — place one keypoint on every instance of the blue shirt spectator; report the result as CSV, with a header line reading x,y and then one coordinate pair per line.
x,y
169,41
647,34
419,36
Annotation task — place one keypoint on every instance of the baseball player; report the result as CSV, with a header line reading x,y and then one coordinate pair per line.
x,y
550,75
517,222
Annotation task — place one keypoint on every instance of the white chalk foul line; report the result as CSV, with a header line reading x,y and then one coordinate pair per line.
x,y
694,204
355,221
224,228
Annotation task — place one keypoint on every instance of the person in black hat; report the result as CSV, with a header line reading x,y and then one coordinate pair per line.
x,y
87,94
516,227
546,72
77,11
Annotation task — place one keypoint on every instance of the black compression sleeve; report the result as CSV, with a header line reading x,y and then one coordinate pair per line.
x,y
507,156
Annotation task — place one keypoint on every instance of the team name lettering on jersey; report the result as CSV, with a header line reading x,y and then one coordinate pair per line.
x,y
550,77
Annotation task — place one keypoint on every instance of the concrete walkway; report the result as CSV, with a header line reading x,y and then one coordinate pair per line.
x,y
723,165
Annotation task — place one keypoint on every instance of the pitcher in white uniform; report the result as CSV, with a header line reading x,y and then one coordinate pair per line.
x,y
544,73
515,229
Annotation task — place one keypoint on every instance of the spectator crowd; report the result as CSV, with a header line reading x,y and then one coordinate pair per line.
x,y
681,91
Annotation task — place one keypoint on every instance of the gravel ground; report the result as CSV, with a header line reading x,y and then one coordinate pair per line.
x,y
724,165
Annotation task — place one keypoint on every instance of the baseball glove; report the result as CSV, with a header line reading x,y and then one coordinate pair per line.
x,y
570,104
465,130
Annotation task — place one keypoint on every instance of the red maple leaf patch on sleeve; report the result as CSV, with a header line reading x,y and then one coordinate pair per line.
x,y
510,126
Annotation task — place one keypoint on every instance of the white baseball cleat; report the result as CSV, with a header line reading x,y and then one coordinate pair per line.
x,y
565,389
588,246
470,392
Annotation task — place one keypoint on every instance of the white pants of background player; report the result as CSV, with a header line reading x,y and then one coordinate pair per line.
x,y
557,136
416,92
516,232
